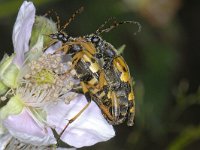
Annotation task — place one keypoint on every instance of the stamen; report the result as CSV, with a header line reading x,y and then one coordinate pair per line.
x,y
43,81
9,92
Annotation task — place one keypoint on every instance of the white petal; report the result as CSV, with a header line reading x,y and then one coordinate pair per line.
x,y
22,30
2,128
88,129
25,129
4,140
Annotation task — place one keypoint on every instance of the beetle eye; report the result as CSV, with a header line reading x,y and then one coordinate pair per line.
x,y
60,35
95,39
65,39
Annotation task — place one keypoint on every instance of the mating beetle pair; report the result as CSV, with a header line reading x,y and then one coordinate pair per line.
x,y
103,73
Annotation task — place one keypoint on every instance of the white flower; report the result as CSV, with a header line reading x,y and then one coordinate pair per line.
x,y
39,97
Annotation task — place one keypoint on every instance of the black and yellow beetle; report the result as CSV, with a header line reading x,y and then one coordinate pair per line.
x,y
104,75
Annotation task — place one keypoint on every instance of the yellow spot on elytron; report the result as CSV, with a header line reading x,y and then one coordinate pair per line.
x,y
44,77
132,110
124,76
94,67
131,96
122,67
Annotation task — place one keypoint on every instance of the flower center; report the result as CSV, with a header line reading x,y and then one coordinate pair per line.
x,y
45,80
45,77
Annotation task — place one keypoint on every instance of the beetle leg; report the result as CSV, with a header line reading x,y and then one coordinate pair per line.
x,y
63,48
88,97
106,112
49,44
89,47
78,89
75,60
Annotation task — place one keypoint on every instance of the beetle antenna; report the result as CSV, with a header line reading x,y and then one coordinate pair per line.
x,y
116,24
103,25
72,18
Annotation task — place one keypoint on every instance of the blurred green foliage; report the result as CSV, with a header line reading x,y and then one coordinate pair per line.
x,y
159,57
187,136
10,7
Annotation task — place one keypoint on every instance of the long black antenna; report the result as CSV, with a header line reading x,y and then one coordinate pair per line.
x,y
115,25
57,17
72,18
106,22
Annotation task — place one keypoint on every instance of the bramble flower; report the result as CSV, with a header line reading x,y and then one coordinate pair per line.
x,y
35,91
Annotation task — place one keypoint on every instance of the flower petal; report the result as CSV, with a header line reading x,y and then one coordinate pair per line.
x,y
22,31
88,129
4,140
24,128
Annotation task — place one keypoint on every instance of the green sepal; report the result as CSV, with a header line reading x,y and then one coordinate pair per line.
x,y
9,72
13,107
3,88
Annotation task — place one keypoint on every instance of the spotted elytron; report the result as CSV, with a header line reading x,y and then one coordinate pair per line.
x,y
104,75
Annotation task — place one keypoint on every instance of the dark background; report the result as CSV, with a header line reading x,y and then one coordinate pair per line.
x,y
163,59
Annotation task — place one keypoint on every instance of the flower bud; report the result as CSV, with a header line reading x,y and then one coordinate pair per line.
x,y
42,27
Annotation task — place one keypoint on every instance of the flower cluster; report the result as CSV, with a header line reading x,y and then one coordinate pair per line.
x,y
35,91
